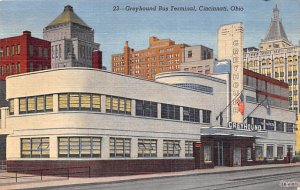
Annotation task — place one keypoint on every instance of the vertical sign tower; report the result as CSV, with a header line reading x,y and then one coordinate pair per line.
x,y
230,46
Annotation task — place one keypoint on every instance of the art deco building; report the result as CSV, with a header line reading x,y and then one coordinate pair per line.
x,y
72,40
276,57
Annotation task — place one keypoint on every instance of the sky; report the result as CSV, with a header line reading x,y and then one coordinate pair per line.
x,y
113,28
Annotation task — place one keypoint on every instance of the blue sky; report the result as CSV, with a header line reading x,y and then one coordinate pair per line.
x,y
112,29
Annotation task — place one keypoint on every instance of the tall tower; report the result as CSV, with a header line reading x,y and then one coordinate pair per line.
x,y
276,36
72,40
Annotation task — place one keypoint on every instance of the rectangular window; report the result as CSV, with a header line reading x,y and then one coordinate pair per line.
x,y
35,147
22,105
249,153
259,156
119,147
188,148
190,54
85,102
79,147
171,148
146,108
49,103
259,153
74,102
191,114
118,105
279,152
147,148
30,104
46,53
270,125
96,102
206,114
207,153
18,68
63,102
7,51
40,103
289,127
270,150
169,111
11,107
18,49
12,50
279,126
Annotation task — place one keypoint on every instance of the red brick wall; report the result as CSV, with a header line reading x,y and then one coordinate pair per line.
x,y
23,58
104,167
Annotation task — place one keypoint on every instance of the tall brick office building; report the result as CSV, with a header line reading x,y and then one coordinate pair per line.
x,y
24,53
161,55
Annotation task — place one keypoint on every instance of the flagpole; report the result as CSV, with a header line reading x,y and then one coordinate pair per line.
x,y
254,109
229,104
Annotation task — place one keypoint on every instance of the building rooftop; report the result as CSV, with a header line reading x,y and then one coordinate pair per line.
x,y
68,16
276,30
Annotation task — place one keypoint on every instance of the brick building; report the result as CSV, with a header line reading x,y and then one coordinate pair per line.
x,y
162,55
21,54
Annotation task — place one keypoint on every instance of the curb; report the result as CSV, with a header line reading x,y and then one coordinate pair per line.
x,y
163,177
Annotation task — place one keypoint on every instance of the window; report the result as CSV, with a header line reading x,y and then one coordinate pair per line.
x,y
270,125
30,104
249,153
79,147
206,116
18,49
191,114
188,148
12,50
207,153
196,87
289,127
270,150
147,148
171,148
12,68
35,147
259,153
279,126
7,51
79,102
22,105
279,152
169,111
18,68
33,104
190,54
1,52
118,105
11,107
146,108
119,147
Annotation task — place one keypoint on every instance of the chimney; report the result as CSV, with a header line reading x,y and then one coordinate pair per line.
x,y
27,33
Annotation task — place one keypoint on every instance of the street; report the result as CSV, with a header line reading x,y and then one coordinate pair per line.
x,y
242,180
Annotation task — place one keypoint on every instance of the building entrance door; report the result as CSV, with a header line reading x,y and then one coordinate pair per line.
x,y
237,156
219,154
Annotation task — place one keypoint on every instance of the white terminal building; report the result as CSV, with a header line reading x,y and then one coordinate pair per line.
x,y
118,124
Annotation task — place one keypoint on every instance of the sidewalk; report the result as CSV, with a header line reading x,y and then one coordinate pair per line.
x,y
73,181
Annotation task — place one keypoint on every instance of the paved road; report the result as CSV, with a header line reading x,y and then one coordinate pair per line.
x,y
243,180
